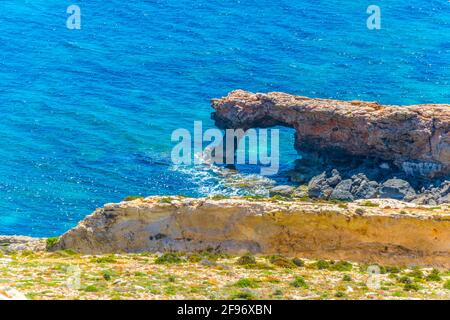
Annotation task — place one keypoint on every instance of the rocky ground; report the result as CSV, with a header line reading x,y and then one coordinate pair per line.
x,y
355,185
67,275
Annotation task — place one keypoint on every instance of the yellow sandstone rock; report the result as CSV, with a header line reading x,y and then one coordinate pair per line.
x,y
387,232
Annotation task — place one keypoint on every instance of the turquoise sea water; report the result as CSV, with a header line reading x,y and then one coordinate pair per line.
x,y
86,115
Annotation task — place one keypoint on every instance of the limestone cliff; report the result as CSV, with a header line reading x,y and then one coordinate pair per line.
x,y
416,138
405,235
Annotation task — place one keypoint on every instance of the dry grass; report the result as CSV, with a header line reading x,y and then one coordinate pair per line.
x,y
203,276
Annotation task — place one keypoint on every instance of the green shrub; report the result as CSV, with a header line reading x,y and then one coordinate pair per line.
x,y
51,242
195,257
434,276
405,280
132,198
107,274
369,204
64,253
299,282
258,266
411,287
243,295
169,258
247,283
254,197
341,266
416,274
278,292
246,260
347,278
447,285
277,198
110,258
282,262
91,288
322,264
219,197
391,269
165,200
209,255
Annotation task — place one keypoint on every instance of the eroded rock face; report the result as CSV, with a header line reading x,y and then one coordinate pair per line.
x,y
237,226
416,138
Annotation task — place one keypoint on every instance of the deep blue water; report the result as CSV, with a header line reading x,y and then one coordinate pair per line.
x,y
86,115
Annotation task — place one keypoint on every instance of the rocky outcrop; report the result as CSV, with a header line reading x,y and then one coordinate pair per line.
x,y
414,138
435,195
317,230
22,243
332,186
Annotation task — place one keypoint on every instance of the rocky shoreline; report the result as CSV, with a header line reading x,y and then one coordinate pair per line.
x,y
334,186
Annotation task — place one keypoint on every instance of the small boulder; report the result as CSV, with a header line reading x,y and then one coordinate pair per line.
x,y
300,192
334,179
366,190
397,189
284,191
208,263
343,191
318,187
444,199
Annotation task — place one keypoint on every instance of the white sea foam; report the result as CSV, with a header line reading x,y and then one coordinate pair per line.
x,y
218,180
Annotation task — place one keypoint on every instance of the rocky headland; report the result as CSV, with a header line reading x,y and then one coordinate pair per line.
x,y
370,186
352,150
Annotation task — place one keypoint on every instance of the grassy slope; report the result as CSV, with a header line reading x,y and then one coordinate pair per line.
x,y
205,276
